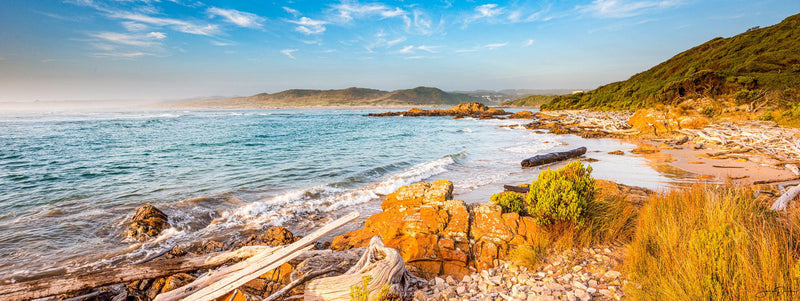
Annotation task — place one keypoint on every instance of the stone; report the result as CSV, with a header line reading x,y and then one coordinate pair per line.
x,y
612,274
147,223
176,281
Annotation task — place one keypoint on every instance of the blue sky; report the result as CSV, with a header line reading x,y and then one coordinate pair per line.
x,y
168,49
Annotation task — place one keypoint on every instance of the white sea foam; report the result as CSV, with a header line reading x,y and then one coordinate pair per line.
x,y
282,208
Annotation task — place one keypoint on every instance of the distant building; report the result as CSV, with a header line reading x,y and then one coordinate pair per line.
x,y
577,91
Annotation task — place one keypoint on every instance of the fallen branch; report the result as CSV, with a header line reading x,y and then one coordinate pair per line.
x,y
552,157
726,166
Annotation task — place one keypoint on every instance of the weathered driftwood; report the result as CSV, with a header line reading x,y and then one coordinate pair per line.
x,y
775,181
785,198
302,280
219,283
553,157
56,285
384,265
516,188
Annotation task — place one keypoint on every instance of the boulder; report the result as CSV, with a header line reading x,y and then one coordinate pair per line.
x,y
146,223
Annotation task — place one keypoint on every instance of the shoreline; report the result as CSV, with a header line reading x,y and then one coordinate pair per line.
x,y
661,157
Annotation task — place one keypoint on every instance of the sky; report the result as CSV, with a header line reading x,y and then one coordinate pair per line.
x,y
175,49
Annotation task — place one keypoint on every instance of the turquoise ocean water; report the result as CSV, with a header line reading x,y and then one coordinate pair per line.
x,y
70,180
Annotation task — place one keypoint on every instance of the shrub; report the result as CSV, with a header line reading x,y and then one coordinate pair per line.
x,y
562,195
713,243
767,116
510,201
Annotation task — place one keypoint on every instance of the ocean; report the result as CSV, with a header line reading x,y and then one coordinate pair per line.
x,y
69,181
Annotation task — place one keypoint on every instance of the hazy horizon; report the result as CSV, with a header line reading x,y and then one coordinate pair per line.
x,y
166,50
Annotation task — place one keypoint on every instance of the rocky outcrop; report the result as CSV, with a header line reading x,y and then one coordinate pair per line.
x,y
146,223
422,221
468,109
437,235
522,115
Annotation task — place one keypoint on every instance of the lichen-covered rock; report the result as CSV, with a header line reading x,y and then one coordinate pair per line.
x,y
522,115
423,222
440,236
146,223
176,281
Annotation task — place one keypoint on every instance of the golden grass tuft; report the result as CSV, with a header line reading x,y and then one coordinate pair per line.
x,y
713,243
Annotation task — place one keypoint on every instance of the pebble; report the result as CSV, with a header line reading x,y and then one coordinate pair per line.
x,y
572,275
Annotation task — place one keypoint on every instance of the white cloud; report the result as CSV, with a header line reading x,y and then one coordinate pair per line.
x,y
407,49
175,24
625,8
528,43
292,11
124,55
420,23
347,11
412,49
240,18
288,52
488,10
148,40
395,41
133,26
495,46
157,35
218,43
310,26
44,61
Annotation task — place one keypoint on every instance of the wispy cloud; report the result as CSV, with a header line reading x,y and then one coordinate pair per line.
x,y
488,10
134,26
495,14
482,47
220,43
349,10
413,49
625,8
45,61
288,52
495,46
292,11
240,18
420,23
175,24
528,43
140,40
309,26
122,55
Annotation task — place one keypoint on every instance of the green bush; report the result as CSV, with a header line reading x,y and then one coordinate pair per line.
x,y
562,195
510,201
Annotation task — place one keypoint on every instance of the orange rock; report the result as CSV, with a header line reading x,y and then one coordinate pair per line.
x,y
176,281
522,115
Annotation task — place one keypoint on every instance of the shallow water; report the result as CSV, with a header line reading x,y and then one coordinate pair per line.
x,y
69,181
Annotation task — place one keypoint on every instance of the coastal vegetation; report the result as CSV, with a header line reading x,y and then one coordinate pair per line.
x,y
419,96
713,243
759,68
532,101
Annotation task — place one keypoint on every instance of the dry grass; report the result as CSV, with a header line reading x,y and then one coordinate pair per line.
x,y
713,243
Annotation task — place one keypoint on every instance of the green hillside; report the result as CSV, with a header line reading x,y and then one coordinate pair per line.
x,y
532,101
760,65
420,96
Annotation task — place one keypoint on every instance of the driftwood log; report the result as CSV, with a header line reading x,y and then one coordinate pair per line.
x,y
62,284
384,265
783,201
218,283
553,157
517,189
